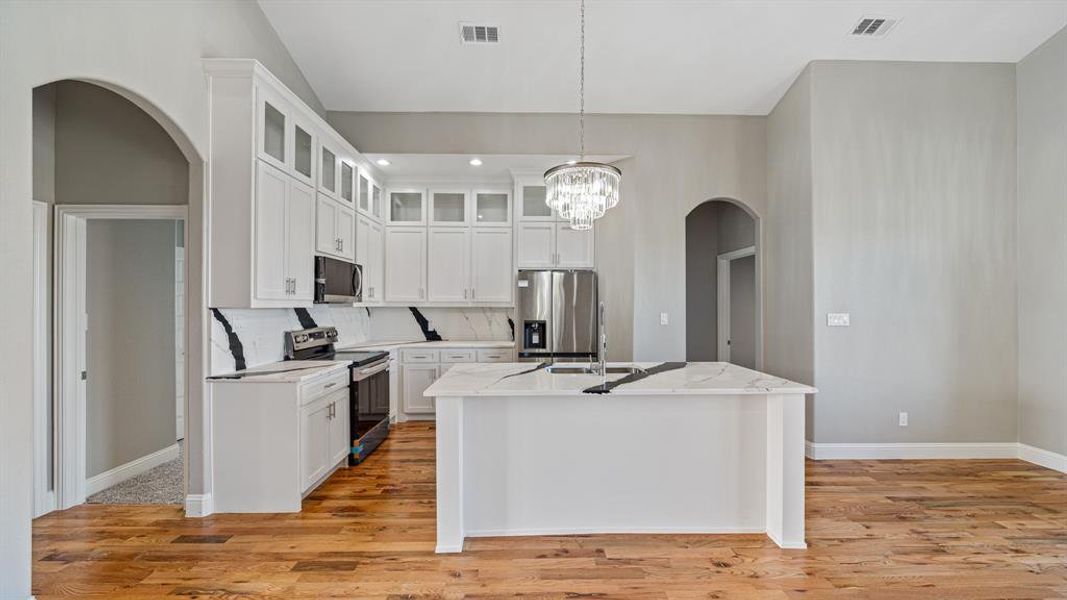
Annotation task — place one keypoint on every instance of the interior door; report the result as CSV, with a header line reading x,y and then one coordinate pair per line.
x,y
300,240
491,269
448,272
405,251
272,190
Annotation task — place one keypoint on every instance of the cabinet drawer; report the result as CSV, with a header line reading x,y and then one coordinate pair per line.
x,y
494,355
315,389
419,356
454,356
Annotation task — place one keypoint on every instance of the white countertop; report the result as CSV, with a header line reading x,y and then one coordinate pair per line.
x,y
288,371
531,379
385,345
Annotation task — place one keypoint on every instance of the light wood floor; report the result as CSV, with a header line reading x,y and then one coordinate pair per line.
x,y
979,529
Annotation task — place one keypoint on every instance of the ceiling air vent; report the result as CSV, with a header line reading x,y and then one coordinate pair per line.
x,y
873,26
479,34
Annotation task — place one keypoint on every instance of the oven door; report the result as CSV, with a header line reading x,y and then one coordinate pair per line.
x,y
369,409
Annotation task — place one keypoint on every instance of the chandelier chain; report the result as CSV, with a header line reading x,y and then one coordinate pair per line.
x,y
581,83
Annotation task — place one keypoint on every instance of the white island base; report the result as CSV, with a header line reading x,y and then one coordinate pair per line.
x,y
702,448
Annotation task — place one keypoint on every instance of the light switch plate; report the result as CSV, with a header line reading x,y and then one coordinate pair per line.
x,y
837,320
664,319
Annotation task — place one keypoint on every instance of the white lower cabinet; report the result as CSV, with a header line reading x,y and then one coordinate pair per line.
x,y
415,379
420,367
272,443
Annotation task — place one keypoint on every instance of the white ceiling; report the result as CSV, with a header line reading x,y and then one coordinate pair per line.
x,y
643,56
457,167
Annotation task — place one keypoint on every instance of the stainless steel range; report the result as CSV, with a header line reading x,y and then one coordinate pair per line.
x,y
368,388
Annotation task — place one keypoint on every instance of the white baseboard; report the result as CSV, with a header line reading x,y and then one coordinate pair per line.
x,y
933,451
1044,458
135,467
199,505
611,530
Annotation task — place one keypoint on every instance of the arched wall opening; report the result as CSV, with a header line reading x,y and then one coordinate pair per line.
x,y
99,144
723,283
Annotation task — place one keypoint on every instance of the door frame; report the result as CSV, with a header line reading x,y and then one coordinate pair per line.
x,y
723,302
44,493
69,409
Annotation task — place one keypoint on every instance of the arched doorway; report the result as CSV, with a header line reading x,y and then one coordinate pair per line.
x,y
723,284
131,178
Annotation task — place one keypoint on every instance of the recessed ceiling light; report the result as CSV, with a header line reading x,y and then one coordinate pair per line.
x,y
382,162
572,162
476,162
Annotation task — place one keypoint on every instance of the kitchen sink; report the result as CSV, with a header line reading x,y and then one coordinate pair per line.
x,y
584,370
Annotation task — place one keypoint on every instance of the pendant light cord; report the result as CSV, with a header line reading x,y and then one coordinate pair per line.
x,y
581,83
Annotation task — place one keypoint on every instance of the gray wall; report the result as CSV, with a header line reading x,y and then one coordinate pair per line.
x,y
130,404
44,143
914,217
1042,93
677,163
788,326
154,50
711,229
109,151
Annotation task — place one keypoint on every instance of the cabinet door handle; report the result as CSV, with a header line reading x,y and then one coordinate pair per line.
x,y
329,385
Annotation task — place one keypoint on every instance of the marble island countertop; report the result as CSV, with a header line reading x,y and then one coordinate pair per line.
x,y
288,371
671,378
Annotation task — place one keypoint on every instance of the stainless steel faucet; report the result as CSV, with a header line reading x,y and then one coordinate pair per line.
x,y
602,368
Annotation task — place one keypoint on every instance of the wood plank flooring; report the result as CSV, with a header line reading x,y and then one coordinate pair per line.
x,y
946,530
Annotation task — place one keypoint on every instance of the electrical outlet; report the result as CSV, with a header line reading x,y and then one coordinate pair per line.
x,y
664,319
837,319
903,419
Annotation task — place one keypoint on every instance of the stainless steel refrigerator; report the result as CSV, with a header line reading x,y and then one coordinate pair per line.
x,y
557,315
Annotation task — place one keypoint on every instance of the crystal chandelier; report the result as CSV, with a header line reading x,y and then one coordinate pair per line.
x,y
581,191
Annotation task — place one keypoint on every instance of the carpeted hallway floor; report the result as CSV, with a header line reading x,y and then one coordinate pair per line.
x,y
161,485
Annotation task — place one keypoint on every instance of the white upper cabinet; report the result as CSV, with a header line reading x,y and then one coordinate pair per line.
x,y
574,249
348,182
335,228
272,131
407,207
448,268
305,147
492,208
535,245
405,264
377,210
369,254
363,193
531,202
269,157
491,267
449,207
329,168
300,239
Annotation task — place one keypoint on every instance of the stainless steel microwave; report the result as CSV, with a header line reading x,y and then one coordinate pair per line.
x,y
337,281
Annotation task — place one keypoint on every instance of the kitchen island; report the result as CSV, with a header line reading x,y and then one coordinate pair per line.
x,y
532,449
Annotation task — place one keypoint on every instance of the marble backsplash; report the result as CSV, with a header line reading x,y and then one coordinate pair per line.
x,y
242,338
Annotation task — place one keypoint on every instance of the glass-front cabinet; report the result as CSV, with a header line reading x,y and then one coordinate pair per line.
x,y
492,207
303,152
376,201
273,130
407,207
363,193
328,171
532,205
448,207
348,182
